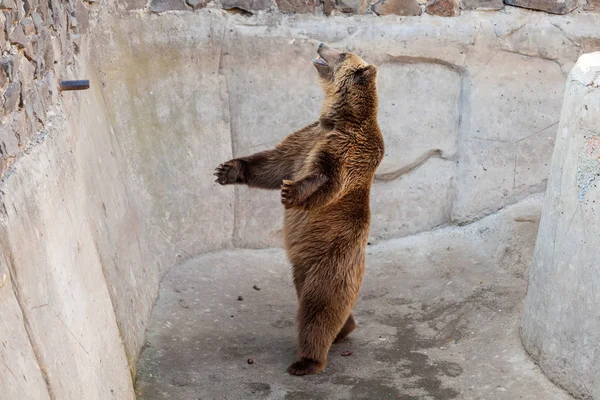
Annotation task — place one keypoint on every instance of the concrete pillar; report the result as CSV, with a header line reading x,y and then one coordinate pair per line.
x,y
561,317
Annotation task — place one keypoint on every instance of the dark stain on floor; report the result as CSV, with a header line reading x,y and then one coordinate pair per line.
x,y
260,388
369,389
302,395
448,320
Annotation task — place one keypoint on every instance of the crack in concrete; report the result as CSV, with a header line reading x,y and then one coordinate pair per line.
x,y
68,329
568,227
175,245
490,140
537,189
540,131
425,60
390,176
223,81
8,368
554,24
46,132
515,173
27,325
487,63
538,56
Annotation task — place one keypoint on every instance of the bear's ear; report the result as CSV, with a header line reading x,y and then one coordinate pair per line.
x,y
365,75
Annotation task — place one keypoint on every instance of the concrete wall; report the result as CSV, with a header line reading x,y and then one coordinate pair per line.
x,y
469,111
113,186
561,319
83,262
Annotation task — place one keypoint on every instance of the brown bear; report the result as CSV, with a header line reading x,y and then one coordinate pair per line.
x,y
325,172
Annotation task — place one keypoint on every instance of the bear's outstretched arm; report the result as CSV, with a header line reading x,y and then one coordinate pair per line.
x,y
268,169
264,170
318,188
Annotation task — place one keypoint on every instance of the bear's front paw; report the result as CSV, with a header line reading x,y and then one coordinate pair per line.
x,y
289,194
228,173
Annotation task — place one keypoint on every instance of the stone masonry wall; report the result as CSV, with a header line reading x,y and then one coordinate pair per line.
x,y
444,8
38,40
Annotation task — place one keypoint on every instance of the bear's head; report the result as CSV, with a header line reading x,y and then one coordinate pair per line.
x,y
349,82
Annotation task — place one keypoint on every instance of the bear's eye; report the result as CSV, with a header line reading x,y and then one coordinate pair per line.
x,y
343,56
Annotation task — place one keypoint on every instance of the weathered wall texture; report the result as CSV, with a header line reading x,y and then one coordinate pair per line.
x,y
443,8
102,191
79,261
469,110
561,320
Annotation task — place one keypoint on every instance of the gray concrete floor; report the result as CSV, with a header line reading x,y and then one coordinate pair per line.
x,y
438,319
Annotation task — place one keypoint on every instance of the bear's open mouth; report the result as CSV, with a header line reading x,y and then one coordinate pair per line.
x,y
320,61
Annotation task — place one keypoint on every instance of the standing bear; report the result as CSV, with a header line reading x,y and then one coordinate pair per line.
x,y
324,172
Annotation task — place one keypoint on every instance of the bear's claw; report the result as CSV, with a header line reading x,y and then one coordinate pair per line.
x,y
288,194
227,173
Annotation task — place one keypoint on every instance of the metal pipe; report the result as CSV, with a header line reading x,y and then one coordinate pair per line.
x,y
74,85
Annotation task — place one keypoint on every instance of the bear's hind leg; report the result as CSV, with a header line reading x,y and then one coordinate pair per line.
x,y
321,317
348,327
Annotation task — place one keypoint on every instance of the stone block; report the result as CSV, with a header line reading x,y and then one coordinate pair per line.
x,y
27,26
246,5
17,36
133,4
20,11
484,5
11,136
83,19
352,6
9,17
7,4
31,47
3,35
561,318
592,5
550,6
167,5
328,6
27,74
296,6
12,96
397,7
197,3
443,8
29,6
38,22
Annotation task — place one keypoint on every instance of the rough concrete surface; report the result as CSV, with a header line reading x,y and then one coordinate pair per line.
x,y
561,320
54,265
438,319
82,260
103,191
20,374
171,121
478,94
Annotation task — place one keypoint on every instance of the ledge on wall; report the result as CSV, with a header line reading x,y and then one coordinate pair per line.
x,y
444,8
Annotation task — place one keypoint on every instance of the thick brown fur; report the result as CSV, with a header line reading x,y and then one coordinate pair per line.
x,y
325,172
